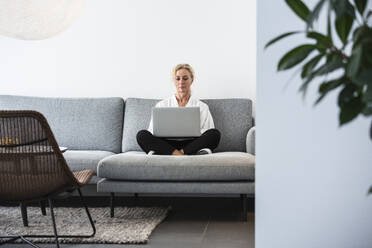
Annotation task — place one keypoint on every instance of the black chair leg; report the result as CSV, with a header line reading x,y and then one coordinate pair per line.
x,y
11,238
112,198
243,198
29,242
88,213
42,207
54,221
24,214
71,236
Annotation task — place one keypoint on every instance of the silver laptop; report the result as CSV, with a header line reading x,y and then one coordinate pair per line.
x,y
173,122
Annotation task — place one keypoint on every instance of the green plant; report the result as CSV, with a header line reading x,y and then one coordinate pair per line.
x,y
343,61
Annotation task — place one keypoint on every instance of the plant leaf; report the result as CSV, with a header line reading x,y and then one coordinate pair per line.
x,y
329,67
364,76
367,96
367,99
345,15
295,56
351,110
326,87
315,14
354,62
325,41
361,5
342,7
343,27
358,34
367,111
369,14
329,29
362,36
299,8
370,133
350,103
346,94
368,56
309,66
280,37
322,70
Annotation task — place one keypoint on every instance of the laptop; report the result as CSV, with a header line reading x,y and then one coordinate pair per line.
x,y
176,122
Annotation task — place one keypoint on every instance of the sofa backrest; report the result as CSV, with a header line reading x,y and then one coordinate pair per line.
x,y
233,117
77,123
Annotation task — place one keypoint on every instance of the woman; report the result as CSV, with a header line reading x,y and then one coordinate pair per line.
x,y
183,77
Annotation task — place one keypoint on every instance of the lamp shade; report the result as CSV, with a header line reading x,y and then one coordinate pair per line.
x,y
37,19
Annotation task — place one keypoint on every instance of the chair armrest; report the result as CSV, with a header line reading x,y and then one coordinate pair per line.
x,y
251,140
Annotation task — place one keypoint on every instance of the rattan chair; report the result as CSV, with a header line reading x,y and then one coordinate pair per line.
x,y
32,168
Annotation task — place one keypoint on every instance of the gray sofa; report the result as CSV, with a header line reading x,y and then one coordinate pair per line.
x,y
100,134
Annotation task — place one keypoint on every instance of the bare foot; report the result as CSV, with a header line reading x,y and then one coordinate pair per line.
x,y
177,152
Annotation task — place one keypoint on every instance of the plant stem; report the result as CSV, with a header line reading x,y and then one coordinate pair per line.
x,y
334,49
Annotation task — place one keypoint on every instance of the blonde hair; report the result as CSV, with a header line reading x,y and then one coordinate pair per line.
x,y
183,66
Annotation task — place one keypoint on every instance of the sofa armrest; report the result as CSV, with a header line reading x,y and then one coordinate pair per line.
x,y
251,140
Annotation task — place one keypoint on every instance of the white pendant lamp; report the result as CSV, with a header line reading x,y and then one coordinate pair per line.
x,y
37,19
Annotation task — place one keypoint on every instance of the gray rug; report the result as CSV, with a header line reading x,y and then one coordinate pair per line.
x,y
132,225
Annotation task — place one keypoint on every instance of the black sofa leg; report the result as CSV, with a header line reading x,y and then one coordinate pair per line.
x,y
243,198
24,214
112,198
42,206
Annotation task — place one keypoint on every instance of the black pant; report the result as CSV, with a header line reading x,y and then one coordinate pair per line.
x,y
162,146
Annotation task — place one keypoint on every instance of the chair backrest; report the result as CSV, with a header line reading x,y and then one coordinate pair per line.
x,y
31,164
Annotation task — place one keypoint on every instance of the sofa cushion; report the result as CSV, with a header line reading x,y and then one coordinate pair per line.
x,y
77,123
225,166
232,117
136,117
82,160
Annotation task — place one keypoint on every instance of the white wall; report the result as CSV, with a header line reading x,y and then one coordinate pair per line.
x,y
127,48
311,176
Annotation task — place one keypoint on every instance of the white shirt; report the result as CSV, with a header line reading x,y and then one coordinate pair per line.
x,y
206,120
